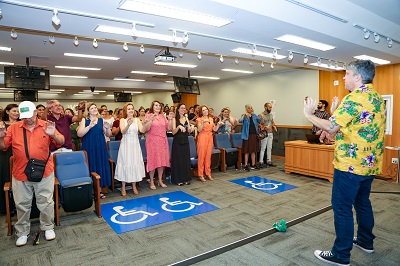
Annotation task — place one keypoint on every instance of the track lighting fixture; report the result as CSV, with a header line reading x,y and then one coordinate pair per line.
x,y
236,61
76,42
199,55
274,54
185,39
253,50
366,34
1,13
95,44
319,61
134,30
52,40
262,64
336,64
173,36
305,61
221,58
14,34
329,63
125,47
181,54
290,56
377,38
141,49
55,18
389,42
272,65
251,64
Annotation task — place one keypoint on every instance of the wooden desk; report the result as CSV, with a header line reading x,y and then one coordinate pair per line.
x,y
309,159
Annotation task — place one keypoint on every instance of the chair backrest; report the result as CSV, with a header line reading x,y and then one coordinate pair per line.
x,y
142,142
71,165
192,147
222,141
237,139
112,138
113,148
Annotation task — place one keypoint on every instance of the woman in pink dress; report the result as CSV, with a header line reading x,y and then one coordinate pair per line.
x,y
156,142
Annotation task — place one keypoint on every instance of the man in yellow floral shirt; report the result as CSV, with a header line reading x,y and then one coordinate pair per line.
x,y
359,121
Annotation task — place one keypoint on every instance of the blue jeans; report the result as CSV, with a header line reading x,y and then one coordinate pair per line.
x,y
350,190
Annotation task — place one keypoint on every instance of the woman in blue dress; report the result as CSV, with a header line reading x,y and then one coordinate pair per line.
x,y
92,130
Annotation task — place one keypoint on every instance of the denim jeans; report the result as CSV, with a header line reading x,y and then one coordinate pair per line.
x,y
350,190
266,143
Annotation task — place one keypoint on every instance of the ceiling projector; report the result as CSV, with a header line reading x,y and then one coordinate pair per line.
x,y
165,56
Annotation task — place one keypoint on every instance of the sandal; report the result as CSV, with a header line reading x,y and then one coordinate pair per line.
x,y
135,191
123,192
102,196
202,179
180,184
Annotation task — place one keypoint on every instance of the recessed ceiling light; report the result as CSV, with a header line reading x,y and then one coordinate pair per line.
x,y
89,91
305,42
139,34
149,73
79,68
158,9
259,53
169,81
65,76
174,64
204,77
373,59
327,66
86,94
92,56
126,79
7,63
238,71
6,49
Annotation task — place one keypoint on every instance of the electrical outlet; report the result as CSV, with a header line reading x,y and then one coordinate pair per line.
x,y
395,160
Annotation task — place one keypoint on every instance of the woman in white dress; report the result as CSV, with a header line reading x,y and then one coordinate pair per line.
x,y
130,166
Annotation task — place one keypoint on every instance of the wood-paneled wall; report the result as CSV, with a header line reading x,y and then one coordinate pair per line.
x,y
386,82
188,99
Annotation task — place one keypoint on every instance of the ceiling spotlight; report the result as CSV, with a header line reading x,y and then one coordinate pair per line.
x,y
377,38
181,54
199,55
95,44
336,64
125,47
329,63
254,50
141,49
251,64
55,19
319,61
14,34
305,61
52,40
185,39
174,36
290,56
76,42
344,66
389,42
366,34
236,61
221,58
134,30
274,54
272,65
262,64
1,14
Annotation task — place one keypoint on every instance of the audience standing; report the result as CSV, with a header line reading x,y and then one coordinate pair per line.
x,y
267,124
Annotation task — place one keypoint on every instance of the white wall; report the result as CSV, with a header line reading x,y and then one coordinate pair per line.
x,y
287,88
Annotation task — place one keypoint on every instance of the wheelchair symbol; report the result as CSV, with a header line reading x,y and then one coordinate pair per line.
x,y
176,203
119,211
264,186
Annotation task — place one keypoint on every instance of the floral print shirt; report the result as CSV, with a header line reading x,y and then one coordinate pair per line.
x,y
359,143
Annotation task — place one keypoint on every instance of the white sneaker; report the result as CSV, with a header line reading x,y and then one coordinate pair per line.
x,y
21,241
49,235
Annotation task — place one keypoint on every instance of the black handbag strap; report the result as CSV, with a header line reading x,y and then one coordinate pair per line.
x,y
26,147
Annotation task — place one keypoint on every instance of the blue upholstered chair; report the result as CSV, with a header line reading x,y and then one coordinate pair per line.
x,y
112,149
77,184
229,155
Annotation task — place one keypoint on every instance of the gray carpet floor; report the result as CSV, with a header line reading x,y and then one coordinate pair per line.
x,y
84,239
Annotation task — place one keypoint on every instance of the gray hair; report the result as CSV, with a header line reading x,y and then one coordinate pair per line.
x,y
366,68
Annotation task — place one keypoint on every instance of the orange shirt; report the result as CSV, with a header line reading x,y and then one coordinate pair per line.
x,y
38,147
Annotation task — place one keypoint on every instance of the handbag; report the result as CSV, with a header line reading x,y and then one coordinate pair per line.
x,y
35,168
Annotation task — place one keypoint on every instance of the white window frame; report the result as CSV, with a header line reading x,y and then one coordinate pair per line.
x,y
388,100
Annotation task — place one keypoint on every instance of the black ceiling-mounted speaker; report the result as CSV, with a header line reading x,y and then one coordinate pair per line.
x,y
122,97
176,97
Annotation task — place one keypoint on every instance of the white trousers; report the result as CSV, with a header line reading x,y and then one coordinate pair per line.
x,y
266,143
23,195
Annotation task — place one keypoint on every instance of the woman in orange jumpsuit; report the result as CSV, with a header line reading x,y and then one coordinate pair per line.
x,y
205,142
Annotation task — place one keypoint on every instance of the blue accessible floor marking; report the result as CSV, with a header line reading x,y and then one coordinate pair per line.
x,y
263,184
133,214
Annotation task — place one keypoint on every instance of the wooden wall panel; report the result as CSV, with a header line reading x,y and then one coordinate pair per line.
x,y
386,82
188,99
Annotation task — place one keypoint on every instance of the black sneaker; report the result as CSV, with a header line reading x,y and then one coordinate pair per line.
x,y
327,256
246,168
256,167
271,164
367,250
